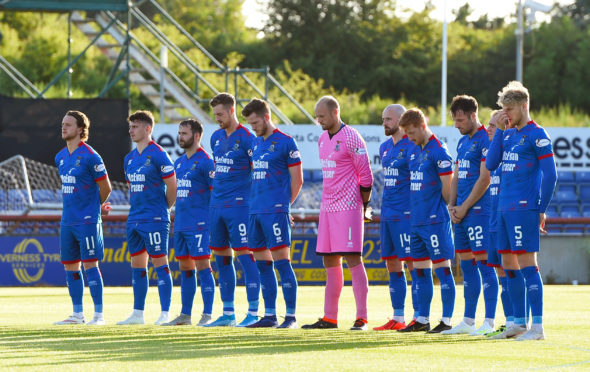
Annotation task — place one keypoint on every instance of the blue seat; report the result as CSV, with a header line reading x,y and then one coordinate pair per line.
x,y
583,177
566,177
574,229
585,193
552,211
118,197
566,196
44,196
3,200
17,199
570,212
586,211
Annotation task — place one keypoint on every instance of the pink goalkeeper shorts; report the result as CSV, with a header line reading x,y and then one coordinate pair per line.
x,y
340,233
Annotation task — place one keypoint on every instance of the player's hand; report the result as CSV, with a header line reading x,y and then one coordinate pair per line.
x,y
503,122
367,214
542,218
291,220
454,218
105,208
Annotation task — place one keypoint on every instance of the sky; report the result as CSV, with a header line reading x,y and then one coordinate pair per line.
x,y
253,9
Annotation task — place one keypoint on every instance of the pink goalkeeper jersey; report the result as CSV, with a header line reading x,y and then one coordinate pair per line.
x,y
345,167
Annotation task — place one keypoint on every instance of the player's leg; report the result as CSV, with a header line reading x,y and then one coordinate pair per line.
x,y
140,281
471,278
201,257
479,240
156,242
237,224
397,277
441,248
348,239
258,242
70,258
188,278
282,259
423,278
219,243
413,289
530,270
334,275
508,231
494,261
91,254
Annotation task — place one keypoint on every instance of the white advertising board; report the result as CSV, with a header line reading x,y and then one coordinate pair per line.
x,y
570,145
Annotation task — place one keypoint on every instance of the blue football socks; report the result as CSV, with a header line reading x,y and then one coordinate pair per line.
x,y
140,287
252,279
517,291
425,288
415,304
164,286
506,301
397,292
490,286
270,287
447,290
96,286
188,288
471,286
75,283
534,291
207,289
288,284
227,282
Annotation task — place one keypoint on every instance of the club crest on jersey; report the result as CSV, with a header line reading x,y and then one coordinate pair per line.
x,y
194,166
473,146
77,162
148,161
236,145
522,139
401,154
337,148
271,148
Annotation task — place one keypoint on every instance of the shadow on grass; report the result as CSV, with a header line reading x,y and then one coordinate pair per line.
x,y
59,345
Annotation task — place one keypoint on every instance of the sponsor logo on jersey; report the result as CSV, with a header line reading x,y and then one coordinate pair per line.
x,y
61,162
484,152
167,168
542,142
211,174
360,151
444,163
99,168
250,152
294,154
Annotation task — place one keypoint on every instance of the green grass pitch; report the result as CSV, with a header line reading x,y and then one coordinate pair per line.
x,y
29,341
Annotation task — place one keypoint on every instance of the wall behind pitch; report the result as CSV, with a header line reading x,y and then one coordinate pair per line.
x,y
32,128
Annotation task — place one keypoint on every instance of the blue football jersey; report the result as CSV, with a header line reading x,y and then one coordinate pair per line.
x,y
494,188
79,172
521,173
426,166
233,172
396,171
145,174
194,180
271,181
471,152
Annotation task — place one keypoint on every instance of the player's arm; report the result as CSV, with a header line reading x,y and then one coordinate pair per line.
x,y
104,191
453,196
170,190
494,156
296,173
446,181
479,189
